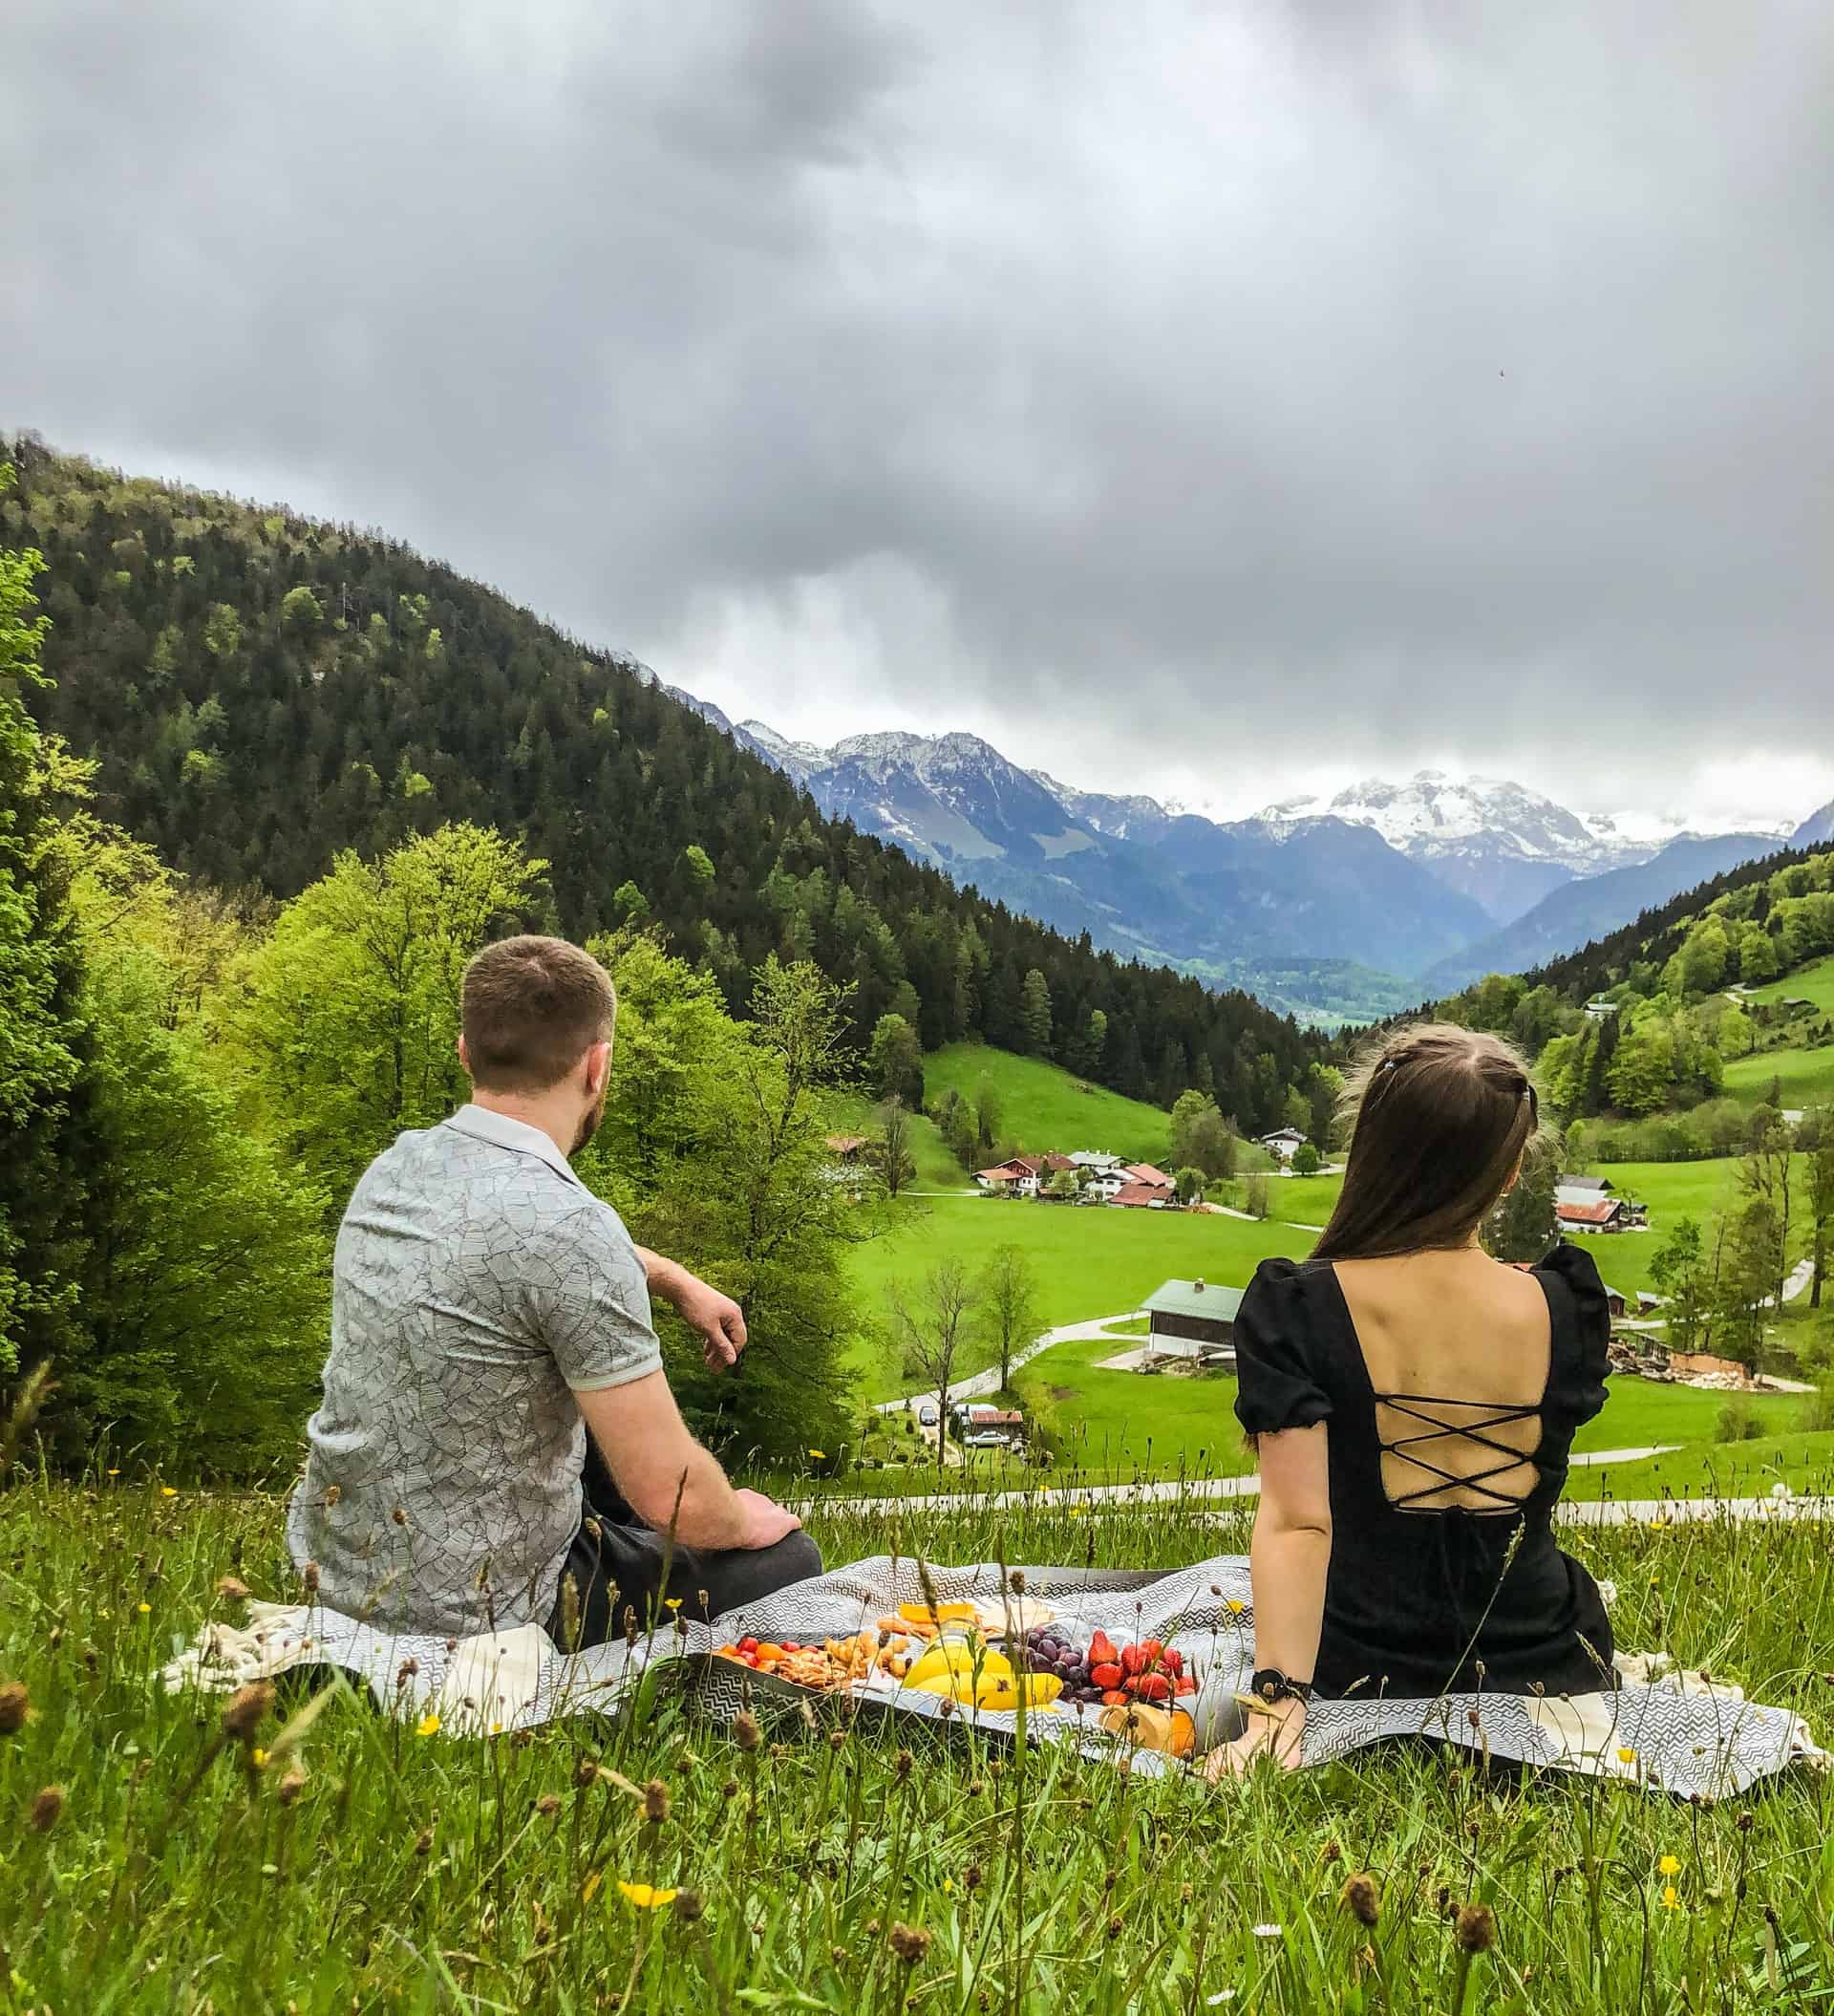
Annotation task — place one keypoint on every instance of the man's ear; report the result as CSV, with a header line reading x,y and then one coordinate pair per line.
x,y
597,1068
464,1055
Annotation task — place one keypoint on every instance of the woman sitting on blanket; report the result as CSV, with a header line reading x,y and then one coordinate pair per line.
x,y
1414,1402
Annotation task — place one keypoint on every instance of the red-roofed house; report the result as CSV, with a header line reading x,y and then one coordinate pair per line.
x,y
1136,1196
1605,1215
1144,1172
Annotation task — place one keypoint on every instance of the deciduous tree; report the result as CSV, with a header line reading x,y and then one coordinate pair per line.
x,y
1008,1301
44,1034
930,1321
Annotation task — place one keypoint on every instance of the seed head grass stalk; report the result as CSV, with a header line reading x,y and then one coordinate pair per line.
x,y
324,1857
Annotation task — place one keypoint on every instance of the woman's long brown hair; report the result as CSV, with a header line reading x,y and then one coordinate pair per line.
x,y
1442,1117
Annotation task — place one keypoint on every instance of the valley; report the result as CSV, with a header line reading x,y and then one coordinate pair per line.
x,y
1332,909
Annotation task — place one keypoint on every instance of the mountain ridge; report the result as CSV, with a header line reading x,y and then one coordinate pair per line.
x,y
1583,911
1352,914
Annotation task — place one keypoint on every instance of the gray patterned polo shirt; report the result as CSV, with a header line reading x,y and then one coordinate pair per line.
x,y
478,1285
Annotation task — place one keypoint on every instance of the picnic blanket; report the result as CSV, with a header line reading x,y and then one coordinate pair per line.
x,y
1661,1730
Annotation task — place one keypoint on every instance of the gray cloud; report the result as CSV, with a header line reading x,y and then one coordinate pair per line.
x,y
1181,396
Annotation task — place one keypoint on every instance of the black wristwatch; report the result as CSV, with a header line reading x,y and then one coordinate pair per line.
x,y
1271,1684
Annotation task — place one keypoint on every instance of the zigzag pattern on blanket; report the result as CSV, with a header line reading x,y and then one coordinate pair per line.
x,y
1660,1730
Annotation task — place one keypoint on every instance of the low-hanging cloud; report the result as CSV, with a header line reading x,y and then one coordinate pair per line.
x,y
1182,395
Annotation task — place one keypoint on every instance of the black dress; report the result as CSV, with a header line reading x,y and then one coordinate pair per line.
x,y
1415,1601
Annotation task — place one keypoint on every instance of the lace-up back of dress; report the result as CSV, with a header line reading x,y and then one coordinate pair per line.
x,y
1443,1453
1456,1456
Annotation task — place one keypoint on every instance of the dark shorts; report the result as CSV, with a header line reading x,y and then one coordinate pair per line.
x,y
617,1566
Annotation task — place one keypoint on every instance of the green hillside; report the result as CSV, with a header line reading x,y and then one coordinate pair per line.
x,y
1044,1107
853,1113
262,691
1813,982
1805,1077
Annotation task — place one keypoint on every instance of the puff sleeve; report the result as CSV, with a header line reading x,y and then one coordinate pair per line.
x,y
1581,1318
1277,1385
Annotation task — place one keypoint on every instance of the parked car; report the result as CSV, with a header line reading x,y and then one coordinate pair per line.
x,y
927,1415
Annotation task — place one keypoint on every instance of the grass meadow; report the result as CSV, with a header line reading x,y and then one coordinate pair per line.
x,y
1044,1107
157,1861
1813,982
1089,1261
1804,1077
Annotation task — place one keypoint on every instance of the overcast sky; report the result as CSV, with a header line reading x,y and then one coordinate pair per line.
x,y
1212,399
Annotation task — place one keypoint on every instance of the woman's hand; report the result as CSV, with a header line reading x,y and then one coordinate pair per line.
x,y
1275,1732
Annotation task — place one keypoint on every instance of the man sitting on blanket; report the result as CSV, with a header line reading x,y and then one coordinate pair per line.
x,y
498,1444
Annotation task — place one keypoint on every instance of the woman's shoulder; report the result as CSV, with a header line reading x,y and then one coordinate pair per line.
x,y
1277,1300
1282,1283
1575,1270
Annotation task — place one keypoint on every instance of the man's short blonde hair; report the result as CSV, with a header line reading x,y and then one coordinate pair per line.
x,y
530,1009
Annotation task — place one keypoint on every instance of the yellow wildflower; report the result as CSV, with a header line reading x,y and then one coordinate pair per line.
x,y
166,1492
674,1603
115,1472
1669,1900
645,1898
428,1724
145,1609
257,1758
819,1455
1667,1866
1627,1756
1235,1606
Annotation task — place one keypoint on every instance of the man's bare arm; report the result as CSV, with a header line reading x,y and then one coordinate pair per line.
x,y
658,1465
719,1319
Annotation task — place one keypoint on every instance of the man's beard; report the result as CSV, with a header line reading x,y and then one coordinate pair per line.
x,y
588,1125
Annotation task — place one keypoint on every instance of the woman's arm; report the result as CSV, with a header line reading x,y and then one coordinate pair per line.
x,y
1289,1559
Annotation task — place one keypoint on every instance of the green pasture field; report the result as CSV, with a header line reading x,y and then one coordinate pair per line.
x,y
1813,982
157,1861
1044,1108
1162,1422
1089,1260
1304,1200
850,1113
1802,1460
1805,1076
1672,1190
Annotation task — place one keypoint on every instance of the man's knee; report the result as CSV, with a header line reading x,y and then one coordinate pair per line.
x,y
793,1558
802,1558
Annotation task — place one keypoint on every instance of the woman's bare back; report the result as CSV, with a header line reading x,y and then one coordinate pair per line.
x,y
1457,1348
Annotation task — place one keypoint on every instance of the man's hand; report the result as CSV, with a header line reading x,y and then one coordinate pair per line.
x,y
766,1522
719,1319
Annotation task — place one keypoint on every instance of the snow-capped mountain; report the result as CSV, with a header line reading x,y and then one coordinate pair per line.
x,y
1314,902
1817,829
1491,838
1143,878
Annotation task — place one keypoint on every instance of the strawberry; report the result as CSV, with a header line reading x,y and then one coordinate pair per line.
x,y
1154,1687
1186,1685
1133,1659
1105,1676
1102,1651
1114,1697
1172,1661
1151,1650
